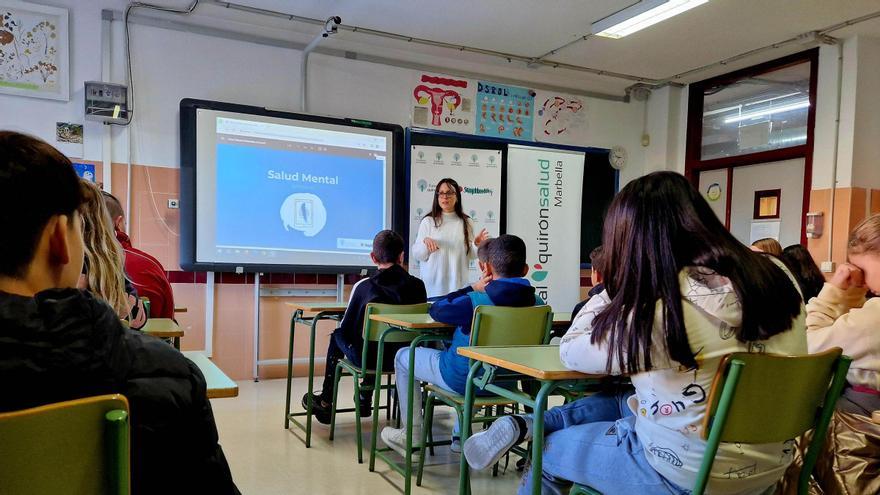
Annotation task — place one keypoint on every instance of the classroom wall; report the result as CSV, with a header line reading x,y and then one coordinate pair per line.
x,y
169,65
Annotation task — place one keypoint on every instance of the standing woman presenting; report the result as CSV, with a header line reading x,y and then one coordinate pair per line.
x,y
446,242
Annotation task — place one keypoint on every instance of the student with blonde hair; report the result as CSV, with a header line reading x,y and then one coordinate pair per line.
x,y
104,269
840,316
767,245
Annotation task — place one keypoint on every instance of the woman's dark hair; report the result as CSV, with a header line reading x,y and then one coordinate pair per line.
x,y
436,212
800,263
657,225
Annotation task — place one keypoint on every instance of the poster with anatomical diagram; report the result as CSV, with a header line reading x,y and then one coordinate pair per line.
x,y
560,118
443,102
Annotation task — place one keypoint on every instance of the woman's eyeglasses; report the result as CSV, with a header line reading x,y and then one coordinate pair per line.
x,y
447,193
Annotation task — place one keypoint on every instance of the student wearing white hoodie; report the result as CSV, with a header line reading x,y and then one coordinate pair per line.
x,y
446,244
681,292
840,316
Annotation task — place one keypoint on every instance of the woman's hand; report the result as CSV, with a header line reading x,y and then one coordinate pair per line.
x,y
482,236
847,276
431,245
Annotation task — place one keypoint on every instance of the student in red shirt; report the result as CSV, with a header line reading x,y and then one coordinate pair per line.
x,y
145,271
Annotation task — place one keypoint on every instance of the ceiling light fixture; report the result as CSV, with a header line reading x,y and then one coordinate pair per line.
x,y
768,111
641,15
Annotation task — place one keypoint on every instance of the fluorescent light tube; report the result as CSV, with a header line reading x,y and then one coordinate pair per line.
x,y
768,111
641,15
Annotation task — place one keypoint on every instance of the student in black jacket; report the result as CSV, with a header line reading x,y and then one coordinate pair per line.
x,y
59,343
390,285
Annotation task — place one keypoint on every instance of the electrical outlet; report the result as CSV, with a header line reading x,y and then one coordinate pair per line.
x,y
827,267
173,204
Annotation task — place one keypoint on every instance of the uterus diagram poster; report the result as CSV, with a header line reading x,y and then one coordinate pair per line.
x,y
504,111
443,102
560,118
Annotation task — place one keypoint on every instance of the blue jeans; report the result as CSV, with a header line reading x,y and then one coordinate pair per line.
x,y
592,442
426,369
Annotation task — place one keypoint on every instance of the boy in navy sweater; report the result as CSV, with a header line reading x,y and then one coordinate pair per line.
x,y
503,264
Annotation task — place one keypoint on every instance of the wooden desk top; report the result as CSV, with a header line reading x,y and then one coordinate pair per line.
x,y
219,385
538,361
162,327
414,321
319,307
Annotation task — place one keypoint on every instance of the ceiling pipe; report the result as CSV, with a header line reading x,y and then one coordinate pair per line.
x,y
331,26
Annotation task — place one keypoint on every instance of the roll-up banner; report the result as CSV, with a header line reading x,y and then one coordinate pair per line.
x,y
477,171
544,209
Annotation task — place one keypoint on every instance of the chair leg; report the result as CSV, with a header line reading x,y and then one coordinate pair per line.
x,y
337,375
357,417
388,399
427,426
498,410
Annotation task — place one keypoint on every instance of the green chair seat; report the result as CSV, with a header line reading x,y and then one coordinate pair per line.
x,y
491,326
371,333
76,447
765,398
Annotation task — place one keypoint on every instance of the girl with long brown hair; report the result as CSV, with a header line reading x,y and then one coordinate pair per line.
x,y
446,244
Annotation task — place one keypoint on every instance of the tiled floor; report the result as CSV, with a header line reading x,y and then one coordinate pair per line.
x,y
265,459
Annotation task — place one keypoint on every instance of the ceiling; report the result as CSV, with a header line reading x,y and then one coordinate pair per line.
x,y
707,34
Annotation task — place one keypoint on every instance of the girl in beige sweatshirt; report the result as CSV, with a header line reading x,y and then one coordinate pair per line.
x,y
840,316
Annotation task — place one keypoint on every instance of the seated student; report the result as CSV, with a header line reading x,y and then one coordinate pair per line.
x,y
502,261
596,269
144,271
800,263
667,317
390,285
767,245
841,317
103,272
58,343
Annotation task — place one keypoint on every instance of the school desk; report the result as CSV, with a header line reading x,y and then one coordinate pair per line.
x,y
219,385
164,328
308,314
540,363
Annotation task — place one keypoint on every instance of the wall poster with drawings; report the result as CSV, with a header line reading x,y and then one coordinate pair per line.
x,y
443,102
560,118
34,58
504,111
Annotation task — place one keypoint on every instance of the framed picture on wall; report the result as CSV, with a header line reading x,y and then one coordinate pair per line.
x,y
767,204
34,51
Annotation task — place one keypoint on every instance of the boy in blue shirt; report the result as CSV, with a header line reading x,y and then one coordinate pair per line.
x,y
502,261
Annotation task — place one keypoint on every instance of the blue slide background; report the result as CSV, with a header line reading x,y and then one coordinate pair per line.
x,y
249,203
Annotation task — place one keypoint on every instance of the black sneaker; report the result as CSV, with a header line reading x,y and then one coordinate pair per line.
x,y
365,407
319,410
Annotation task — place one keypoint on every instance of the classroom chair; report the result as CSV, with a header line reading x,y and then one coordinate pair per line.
x,y
75,447
491,326
372,331
749,394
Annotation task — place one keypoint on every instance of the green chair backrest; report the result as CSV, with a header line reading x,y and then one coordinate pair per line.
x,y
504,325
764,398
74,447
373,329
146,301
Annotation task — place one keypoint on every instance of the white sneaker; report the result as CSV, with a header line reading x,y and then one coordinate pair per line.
x,y
485,448
455,446
396,438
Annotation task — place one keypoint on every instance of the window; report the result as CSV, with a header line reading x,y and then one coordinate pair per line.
x,y
760,114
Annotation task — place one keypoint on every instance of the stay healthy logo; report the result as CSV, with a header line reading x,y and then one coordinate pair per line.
x,y
479,190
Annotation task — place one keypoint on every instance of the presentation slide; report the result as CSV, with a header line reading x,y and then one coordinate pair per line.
x,y
279,192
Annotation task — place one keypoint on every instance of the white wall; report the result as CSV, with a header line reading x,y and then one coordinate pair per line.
x,y
786,175
866,146
170,65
